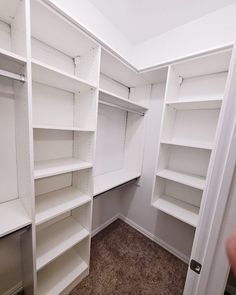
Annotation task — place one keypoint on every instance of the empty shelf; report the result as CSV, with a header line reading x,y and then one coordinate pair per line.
x,y
115,100
195,104
45,74
64,128
178,209
53,204
187,179
11,62
56,239
58,275
12,217
105,182
58,166
186,143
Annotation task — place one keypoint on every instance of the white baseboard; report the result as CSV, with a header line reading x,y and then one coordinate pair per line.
x,y
152,237
14,290
146,233
105,224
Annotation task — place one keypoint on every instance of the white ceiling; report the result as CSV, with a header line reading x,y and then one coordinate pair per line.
x,y
140,20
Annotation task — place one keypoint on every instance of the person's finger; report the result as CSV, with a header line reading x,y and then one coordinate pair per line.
x,y
231,251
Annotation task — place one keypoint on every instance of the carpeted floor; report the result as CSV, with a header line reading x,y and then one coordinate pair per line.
x,y
123,261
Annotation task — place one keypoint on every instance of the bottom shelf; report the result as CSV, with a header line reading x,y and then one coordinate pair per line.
x,y
105,182
12,217
178,209
62,272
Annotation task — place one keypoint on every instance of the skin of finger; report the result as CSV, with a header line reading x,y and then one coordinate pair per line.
x,y
231,251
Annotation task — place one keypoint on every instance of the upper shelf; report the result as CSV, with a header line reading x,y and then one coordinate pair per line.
x,y
107,181
54,77
12,217
48,26
120,102
63,128
117,70
188,104
58,166
11,62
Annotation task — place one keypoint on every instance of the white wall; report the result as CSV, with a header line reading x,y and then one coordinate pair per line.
x,y
106,207
135,205
213,30
91,19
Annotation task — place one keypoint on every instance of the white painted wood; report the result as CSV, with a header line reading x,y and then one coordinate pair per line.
x,y
184,160
54,278
52,204
45,74
206,64
8,169
110,85
13,217
117,70
58,166
74,43
108,97
57,239
11,62
189,104
208,240
187,179
178,209
110,142
187,143
64,128
107,181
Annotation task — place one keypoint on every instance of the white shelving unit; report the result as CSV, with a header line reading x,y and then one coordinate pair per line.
x,y
65,74
121,122
16,183
194,95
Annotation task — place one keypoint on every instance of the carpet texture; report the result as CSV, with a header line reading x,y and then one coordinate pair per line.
x,y
123,261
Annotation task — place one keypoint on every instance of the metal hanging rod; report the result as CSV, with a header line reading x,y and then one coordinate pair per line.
x,y
120,107
13,76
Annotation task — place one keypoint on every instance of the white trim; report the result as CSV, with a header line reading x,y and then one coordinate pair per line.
x,y
155,239
15,289
105,224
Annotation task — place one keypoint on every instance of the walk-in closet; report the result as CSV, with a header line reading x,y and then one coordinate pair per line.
x,y
118,147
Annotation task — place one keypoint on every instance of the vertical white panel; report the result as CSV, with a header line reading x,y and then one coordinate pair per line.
x,y
110,144
8,169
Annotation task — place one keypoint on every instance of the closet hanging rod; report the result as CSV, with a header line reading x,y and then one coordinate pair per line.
x,y
120,107
13,76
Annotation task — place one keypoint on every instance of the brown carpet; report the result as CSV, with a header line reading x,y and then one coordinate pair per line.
x,y
123,261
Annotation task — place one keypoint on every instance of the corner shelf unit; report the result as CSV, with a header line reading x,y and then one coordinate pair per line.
x,y
121,123
193,100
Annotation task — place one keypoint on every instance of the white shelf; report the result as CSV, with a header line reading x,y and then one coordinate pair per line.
x,y
12,217
58,275
188,104
56,239
186,143
53,204
11,62
58,166
178,209
45,74
186,179
113,99
53,127
105,182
